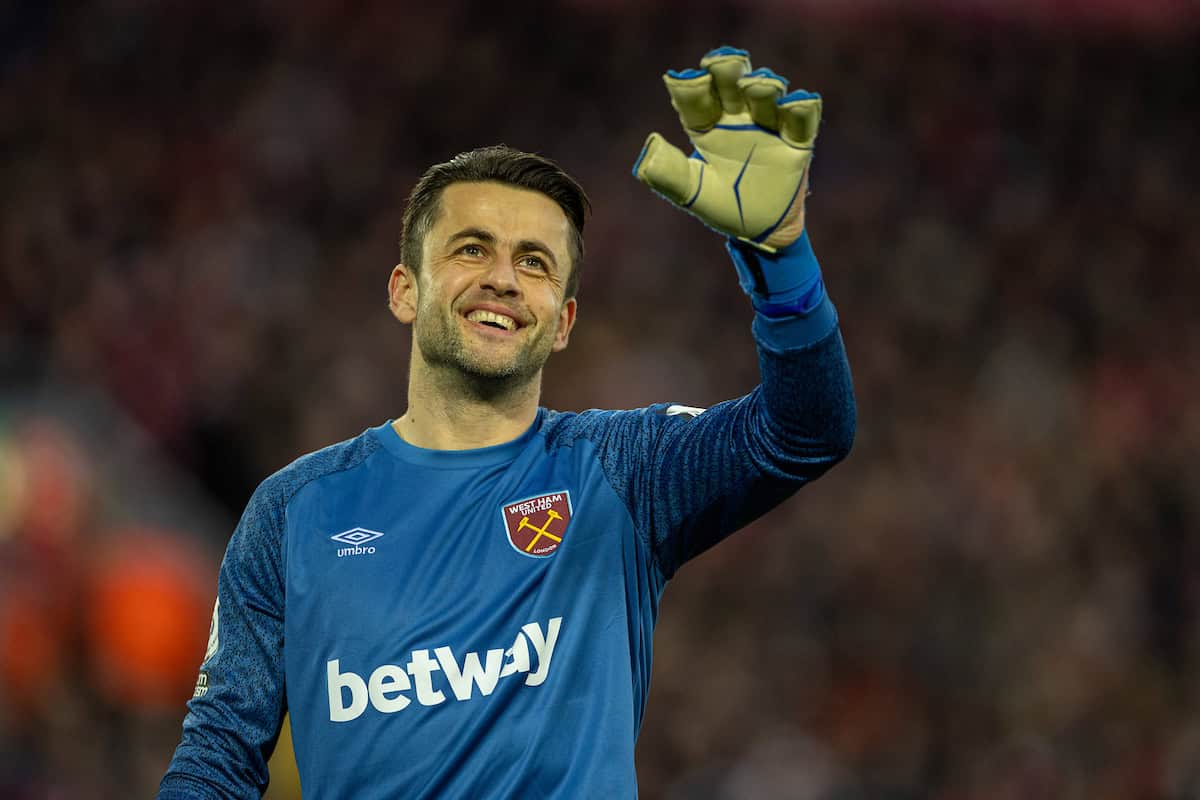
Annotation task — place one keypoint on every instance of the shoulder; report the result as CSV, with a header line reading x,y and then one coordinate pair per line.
x,y
279,488
564,429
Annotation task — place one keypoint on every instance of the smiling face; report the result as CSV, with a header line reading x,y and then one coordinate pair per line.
x,y
487,301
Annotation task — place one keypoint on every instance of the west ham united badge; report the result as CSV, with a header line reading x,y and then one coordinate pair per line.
x,y
536,525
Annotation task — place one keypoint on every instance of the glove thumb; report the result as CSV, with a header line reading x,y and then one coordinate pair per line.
x,y
664,168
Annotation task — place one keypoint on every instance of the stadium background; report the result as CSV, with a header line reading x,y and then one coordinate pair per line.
x,y
996,596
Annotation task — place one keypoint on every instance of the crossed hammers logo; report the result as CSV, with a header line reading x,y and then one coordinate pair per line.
x,y
551,515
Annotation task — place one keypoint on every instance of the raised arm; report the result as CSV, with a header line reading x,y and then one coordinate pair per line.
x,y
747,178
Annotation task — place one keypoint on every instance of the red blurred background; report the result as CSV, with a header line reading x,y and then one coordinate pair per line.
x,y
996,596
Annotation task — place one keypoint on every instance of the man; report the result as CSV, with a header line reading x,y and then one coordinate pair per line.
x,y
460,603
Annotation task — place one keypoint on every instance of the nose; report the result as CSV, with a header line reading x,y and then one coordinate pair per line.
x,y
500,277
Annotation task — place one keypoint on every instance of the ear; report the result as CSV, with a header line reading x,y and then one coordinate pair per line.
x,y
402,294
566,321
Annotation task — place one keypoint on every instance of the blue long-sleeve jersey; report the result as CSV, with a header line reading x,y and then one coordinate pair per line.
x,y
471,624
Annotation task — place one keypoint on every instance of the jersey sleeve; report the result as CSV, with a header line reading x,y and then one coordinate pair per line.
x,y
234,718
690,479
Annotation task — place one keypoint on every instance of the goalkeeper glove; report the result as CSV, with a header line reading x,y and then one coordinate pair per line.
x,y
748,175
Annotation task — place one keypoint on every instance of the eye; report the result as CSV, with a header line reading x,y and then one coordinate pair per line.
x,y
471,250
533,262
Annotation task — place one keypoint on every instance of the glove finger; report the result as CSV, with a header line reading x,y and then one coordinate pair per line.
x,y
664,168
762,89
728,65
800,115
693,97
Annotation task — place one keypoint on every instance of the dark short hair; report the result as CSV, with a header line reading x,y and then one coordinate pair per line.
x,y
501,164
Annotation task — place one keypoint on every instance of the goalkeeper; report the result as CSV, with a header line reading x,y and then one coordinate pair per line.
x,y
460,603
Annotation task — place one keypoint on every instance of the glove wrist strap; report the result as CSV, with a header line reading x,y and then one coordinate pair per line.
x,y
784,283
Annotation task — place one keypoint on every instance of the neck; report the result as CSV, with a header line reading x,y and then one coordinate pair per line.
x,y
457,412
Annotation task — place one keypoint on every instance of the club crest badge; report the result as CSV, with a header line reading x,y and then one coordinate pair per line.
x,y
536,526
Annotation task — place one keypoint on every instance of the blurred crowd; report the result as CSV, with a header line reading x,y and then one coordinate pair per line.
x,y
995,597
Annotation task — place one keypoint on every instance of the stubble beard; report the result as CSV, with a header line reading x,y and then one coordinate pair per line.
x,y
465,367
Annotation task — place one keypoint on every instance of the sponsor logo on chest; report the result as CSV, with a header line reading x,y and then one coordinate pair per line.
x,y
536,526
393,687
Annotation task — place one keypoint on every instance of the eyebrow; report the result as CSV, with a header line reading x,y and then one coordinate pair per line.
x,y
523,246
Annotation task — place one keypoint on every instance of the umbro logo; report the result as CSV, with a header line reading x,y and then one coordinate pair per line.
x,y
356,538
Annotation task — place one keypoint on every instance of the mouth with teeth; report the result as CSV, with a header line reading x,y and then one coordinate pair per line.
x,y
494,320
